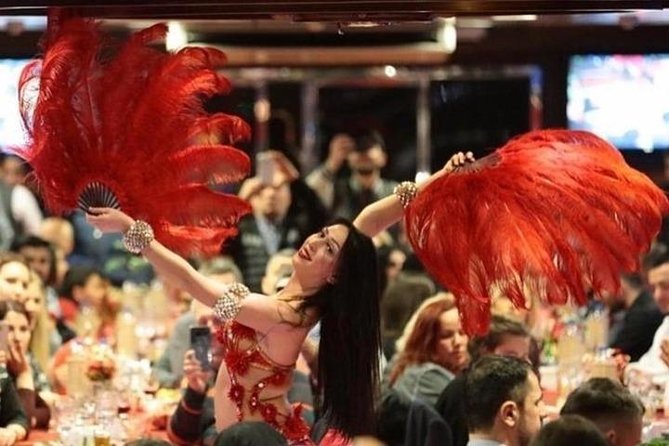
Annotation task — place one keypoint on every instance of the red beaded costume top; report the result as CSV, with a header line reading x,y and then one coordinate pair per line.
x,y
243,353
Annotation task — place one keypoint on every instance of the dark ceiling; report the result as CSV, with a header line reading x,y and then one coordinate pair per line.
x,y
410,27
328,10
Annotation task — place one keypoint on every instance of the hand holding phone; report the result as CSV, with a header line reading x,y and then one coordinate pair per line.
x,y
200,342
265,168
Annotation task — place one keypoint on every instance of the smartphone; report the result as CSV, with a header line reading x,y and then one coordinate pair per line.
x,y
265,167
200,342
4,332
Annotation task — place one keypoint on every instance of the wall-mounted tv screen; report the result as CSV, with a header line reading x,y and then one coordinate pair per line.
x,y
11,127
622,98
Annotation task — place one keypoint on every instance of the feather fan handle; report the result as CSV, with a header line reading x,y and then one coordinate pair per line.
x,y
551,214
97,195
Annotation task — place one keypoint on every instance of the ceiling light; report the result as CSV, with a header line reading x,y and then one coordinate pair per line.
x,y
177,37
390,71
515,18
422,176
447,35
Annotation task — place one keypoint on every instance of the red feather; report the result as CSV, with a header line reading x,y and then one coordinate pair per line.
x,y
131,118
552,213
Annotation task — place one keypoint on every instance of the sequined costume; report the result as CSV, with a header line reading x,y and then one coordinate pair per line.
x,y
242,353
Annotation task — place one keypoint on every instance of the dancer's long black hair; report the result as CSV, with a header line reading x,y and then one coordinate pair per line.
x,y
350,342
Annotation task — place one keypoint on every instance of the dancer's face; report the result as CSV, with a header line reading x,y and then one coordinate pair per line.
x,y
316,261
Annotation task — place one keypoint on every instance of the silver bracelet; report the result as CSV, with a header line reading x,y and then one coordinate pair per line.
x,y
228,306
138,237
406,192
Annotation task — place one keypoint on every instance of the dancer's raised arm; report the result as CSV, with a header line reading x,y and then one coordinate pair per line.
x,y
383,213
252,309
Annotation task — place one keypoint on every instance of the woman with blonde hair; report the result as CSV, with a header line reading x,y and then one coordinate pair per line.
x,y
41,326
433,351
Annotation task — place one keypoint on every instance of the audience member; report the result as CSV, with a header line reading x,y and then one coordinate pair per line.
x,y
168,370
39,255
279,268
435,351
14,423
400,300
656,360
14,277
504,402
193,420
60,234
505,337
41,258
106,253
45,339
84,289
365,156
569,430
148,442
250,433
633,335
25,373
280,220
20,213
13,170
611,407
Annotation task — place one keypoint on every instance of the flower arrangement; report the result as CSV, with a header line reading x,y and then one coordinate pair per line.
x,y
101,364
657,442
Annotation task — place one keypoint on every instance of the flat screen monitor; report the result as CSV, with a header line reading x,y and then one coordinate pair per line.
x,y
11,127
622,98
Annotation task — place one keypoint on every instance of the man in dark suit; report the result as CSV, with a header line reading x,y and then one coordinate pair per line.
x,y
635,317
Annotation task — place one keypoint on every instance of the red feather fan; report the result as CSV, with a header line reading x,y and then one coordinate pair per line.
x,y
552,214
128,124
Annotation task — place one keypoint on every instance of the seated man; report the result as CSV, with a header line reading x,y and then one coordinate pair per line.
x,y
250,433
614,410
633,335
503,401
656,360
505,337
569,430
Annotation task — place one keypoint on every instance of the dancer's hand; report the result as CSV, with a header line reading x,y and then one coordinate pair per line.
x,y
109,220
458,160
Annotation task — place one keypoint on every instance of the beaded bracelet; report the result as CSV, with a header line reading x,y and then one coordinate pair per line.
x,y
138,237
406,192
229,305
